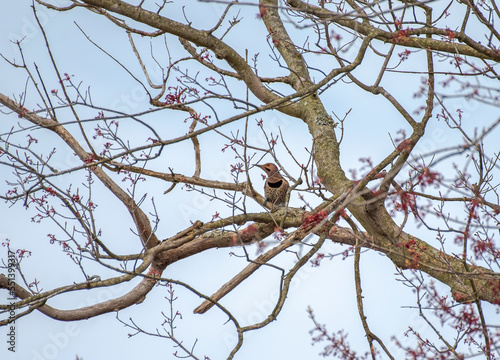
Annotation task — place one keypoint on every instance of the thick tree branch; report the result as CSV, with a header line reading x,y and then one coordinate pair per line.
x,y
282,41
416,255
200,38
408,38
134,296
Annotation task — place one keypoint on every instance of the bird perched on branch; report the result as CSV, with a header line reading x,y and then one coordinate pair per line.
x,y
276,186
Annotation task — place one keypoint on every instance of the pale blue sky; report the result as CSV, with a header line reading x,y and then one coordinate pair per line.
x,y
329,289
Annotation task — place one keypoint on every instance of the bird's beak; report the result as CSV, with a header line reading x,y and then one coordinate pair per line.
x,y
261,166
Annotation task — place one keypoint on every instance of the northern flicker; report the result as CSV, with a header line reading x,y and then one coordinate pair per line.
x,y
275,187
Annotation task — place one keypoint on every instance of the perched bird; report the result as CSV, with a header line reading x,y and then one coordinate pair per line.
x,y
275,187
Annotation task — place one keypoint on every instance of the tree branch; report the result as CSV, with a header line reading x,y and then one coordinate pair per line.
x,y
200,38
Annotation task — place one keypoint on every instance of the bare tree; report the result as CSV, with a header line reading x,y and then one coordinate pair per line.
x,y
432,213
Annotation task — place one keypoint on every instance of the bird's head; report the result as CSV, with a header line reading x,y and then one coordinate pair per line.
x,y
270,169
